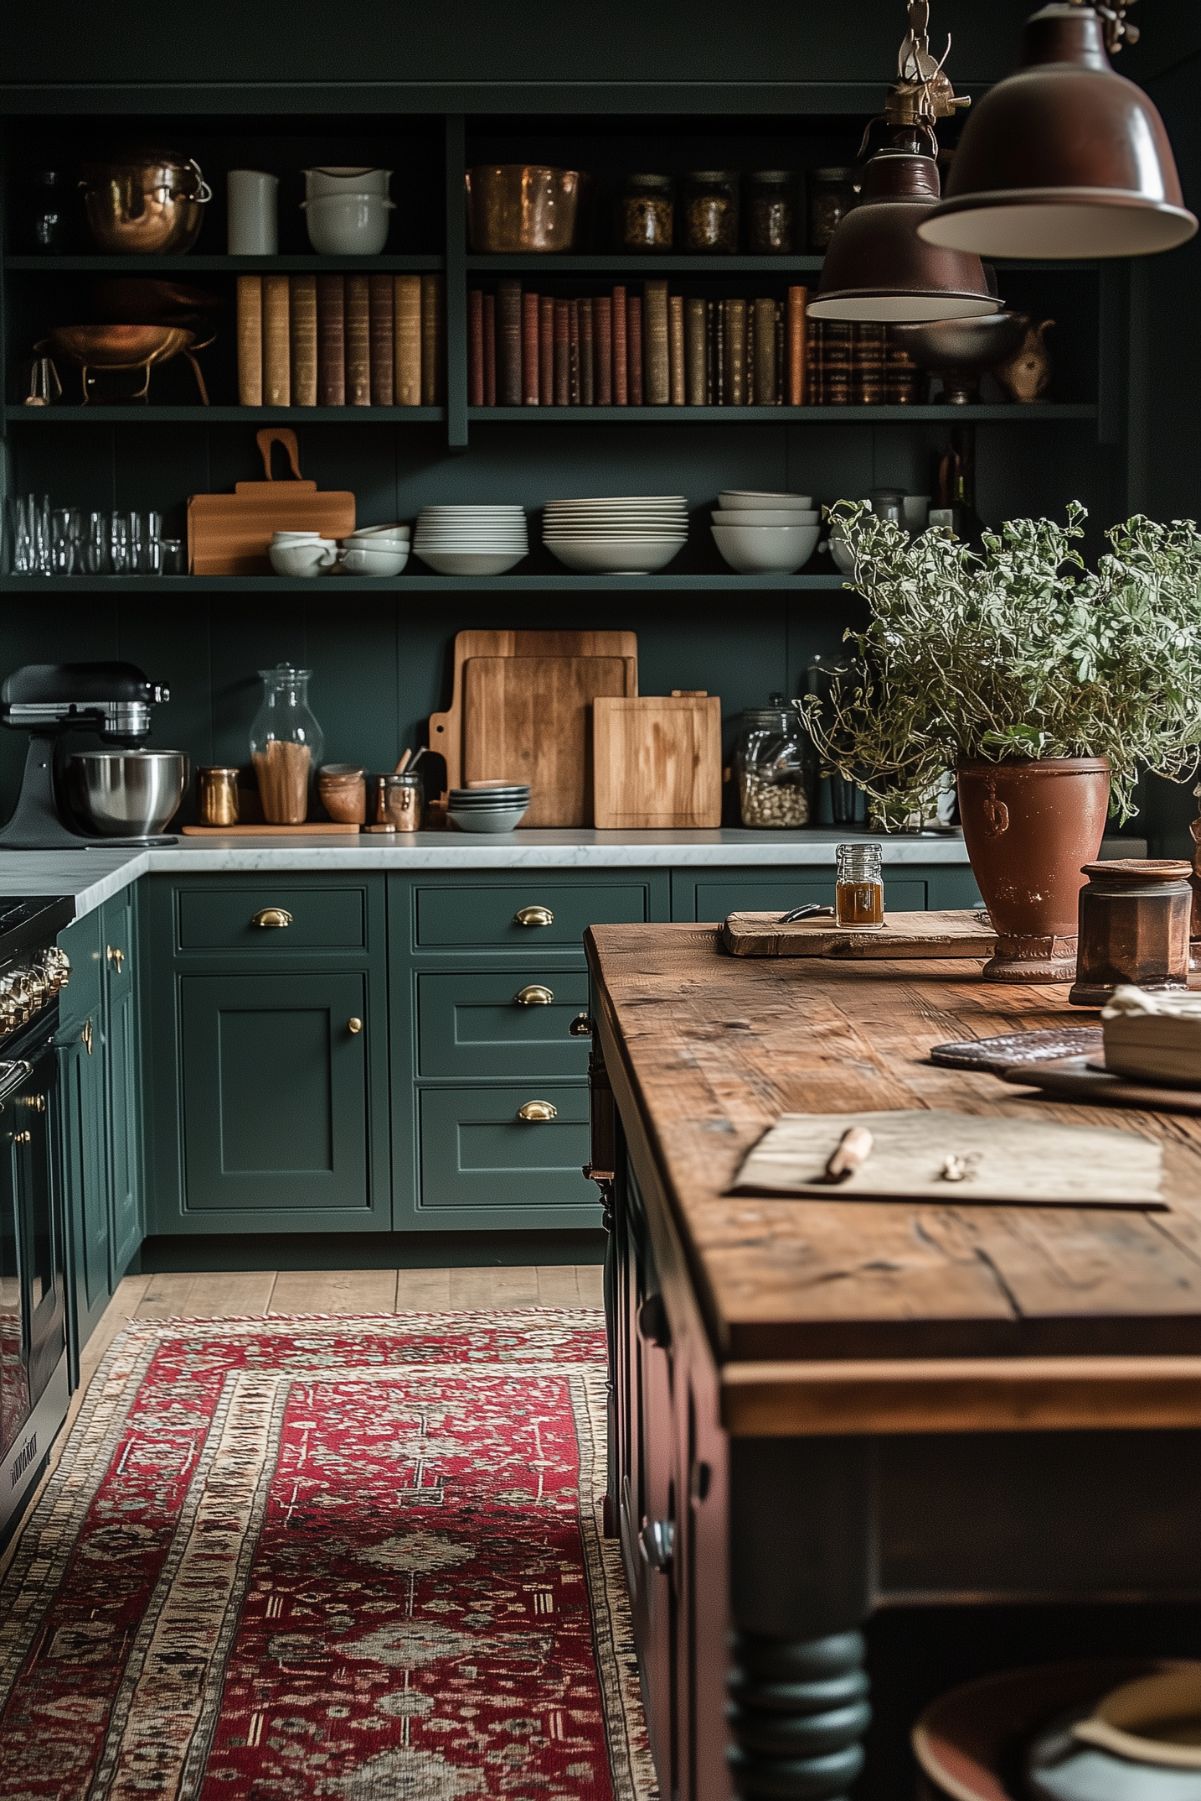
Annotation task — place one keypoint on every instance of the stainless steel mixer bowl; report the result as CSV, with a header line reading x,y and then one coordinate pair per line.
x,y
145,203
126,793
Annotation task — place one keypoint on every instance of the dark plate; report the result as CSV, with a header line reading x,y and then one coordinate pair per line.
x,y
995,1055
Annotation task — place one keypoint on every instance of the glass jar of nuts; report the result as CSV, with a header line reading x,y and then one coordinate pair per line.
x,y
710,210
773,765
646,212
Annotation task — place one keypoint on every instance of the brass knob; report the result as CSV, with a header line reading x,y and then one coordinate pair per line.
x,y
36,1103
272,916
535,995
116,957
87,1037
22,1137
536,1113
533,916
354,1027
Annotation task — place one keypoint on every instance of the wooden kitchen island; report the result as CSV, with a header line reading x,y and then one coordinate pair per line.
x,y
820,1409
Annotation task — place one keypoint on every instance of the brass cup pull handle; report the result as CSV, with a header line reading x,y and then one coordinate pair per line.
x,y
354,1027
87,1037
535,994
116,957
533,916
272,916
536,1113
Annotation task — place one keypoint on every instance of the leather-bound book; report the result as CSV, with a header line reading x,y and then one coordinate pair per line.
x,y
900,372
406,340
587,355
382,331
602,318
277,341
867,365
837,345
748,358
766,391
250,340
634,348
815,374
331,340
796,355
530,390
303,325
735,352
621,369
475,347
432,357
573,358
562,353
696,353
358,341
657,349
546,351
489,349
677,362
508,343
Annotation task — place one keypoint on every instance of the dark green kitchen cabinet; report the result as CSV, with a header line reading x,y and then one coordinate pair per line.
x,y
122,1062
505,1155
471,1023
82,1136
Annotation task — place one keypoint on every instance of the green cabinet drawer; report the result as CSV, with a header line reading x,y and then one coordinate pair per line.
x,y
484,916
474,1024
755,893
482,1164
270,918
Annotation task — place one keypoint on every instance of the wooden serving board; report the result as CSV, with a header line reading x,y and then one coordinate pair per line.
x,y
228,534
957,933
657,762
318,829
446,729
528,719
1081,1079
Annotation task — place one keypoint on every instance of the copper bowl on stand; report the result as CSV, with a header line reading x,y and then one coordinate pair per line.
x,y
961,351
125,348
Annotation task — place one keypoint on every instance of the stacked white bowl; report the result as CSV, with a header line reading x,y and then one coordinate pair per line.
x,y
471,540
301,553
760,533
376,550
488,806
621,534
346,210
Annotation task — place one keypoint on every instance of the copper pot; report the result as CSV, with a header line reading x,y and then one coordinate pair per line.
x,y
148,203
522,206
1030,827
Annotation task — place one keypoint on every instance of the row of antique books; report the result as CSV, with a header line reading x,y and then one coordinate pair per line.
x,y
658,348
340,340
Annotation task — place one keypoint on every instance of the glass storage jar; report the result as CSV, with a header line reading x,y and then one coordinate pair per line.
x,y
773,766
646,212
285,745
771,212
710,210
859,886
831,197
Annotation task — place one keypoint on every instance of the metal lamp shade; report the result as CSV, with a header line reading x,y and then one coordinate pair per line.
x,y
1064,159
878,270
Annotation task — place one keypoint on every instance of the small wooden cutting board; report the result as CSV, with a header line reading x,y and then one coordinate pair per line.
x,y
228,534
657,762
958,933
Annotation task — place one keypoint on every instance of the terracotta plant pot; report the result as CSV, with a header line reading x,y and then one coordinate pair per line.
x,y
1030,826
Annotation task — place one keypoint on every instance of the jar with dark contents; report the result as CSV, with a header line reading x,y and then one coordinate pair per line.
x,y
711,210
831,197
771,212
646,209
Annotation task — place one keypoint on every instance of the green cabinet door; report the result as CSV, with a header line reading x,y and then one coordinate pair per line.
x,y
81,1100
123,1078
505,1156
475,1023
278,1109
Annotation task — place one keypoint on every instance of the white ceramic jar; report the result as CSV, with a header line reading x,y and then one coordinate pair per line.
x,y
253,213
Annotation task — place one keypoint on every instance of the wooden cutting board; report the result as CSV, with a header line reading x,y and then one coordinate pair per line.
x,y
657,762
1080,1079
446,729
528,719
957,933
318,828
228,534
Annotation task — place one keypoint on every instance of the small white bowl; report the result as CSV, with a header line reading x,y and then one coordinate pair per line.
x,y
379,531
746,500
723,517
343,180
356,559
348,224
310,556
766,549
470,562
614,556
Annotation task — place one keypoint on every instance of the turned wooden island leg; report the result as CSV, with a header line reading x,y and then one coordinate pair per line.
x,y
800,1586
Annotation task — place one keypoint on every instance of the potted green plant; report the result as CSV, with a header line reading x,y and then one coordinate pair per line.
x,y
1046,686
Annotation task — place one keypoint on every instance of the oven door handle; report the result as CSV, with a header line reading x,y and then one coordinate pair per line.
x,y
12,1075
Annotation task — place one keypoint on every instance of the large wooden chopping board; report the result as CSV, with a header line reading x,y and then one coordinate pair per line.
x,y
228,534
446,729
657,762
528,719
958,933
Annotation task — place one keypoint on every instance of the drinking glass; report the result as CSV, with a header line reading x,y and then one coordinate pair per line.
x,y
62,542
137,543
171,557
40,533
22,537
95,555
118,544
150,556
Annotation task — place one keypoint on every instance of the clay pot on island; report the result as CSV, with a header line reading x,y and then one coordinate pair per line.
x,y
1030,826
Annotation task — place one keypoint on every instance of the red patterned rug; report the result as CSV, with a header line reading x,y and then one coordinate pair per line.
x,y
327,1560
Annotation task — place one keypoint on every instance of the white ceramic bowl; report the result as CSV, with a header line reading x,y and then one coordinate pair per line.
x,y
766,549
615,556
311,556
348,224
724,517
500,819
341,179
843,555
356,559
746,500
469,562
390,532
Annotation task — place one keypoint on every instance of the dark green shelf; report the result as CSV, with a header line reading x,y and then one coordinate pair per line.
x,y
135,414
1011,414
633,263
199,264
419,582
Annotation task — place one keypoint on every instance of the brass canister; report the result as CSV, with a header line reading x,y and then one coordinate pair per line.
x,y
217,796
400,801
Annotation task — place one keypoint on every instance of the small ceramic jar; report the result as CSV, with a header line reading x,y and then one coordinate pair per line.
x,y
1135,914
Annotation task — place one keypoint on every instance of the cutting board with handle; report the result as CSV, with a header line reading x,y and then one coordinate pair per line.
x,y
657,762
528,719
446,729
955,933
228,534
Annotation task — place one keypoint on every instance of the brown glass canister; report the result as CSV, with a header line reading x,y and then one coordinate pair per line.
x,y
646,212
217,795
771,212
710,210
1134,927
831,197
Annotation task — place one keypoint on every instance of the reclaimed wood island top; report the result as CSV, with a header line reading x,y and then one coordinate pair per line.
x,y
898,1316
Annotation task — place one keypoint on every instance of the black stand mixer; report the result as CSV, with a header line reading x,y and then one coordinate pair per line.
x,y
104,790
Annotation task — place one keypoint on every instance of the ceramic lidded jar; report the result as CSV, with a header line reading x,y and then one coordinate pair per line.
x,y
1134,928
285,745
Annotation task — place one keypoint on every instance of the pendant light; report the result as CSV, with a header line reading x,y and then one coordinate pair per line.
x,y
1066,158
877,269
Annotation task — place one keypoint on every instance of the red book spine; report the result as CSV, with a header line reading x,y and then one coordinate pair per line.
x,y
587,355
562,353
621,375
380,288
634,347
529,350
489,349
602,312
573,365
475,347
546,351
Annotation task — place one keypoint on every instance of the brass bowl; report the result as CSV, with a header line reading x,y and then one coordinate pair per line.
x,y
126,348
146,203
960,351
522,207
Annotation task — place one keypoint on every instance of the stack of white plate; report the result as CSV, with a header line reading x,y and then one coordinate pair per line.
x,y
471,540
763,533
631,534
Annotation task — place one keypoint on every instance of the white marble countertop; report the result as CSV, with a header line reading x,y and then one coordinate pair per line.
x,y
93,875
